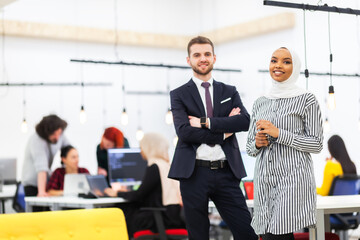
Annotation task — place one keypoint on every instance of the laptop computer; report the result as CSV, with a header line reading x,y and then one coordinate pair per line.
x,y
126,167
97,184
75,184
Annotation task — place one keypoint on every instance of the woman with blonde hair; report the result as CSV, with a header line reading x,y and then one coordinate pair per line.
x,y
156,189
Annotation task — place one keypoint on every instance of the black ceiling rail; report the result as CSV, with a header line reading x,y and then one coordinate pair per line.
x,y
322,74
41,84
149,65
324,8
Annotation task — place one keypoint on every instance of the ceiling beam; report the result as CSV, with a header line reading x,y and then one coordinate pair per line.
x,y
97,35
4,3
253,28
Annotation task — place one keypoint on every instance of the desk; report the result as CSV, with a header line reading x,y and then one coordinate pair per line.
x,y
332,204
57,203
8,192
324,207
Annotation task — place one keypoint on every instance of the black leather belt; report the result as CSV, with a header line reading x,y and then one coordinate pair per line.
x,y
212,164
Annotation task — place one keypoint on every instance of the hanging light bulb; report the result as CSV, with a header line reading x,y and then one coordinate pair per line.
x,y
169,117
331,99
327,126
83,117
24,126
124,117
175,140
139,134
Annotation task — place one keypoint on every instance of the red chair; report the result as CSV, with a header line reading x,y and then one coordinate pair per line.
x,y
163,234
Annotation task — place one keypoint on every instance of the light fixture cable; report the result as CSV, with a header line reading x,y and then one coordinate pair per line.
x,y
331,97
83,117
116,30
168,116
24,125
124,115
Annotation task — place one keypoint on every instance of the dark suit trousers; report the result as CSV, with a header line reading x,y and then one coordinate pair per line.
x,y
223,189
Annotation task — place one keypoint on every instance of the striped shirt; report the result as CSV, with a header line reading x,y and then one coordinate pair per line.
x,y
284,182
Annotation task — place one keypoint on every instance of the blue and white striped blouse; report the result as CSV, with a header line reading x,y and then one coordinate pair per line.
x,y
284,182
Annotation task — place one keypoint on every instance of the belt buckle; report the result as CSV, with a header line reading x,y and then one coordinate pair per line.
x,y
213,166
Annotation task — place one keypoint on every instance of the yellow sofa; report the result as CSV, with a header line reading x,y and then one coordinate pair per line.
x,y
99,224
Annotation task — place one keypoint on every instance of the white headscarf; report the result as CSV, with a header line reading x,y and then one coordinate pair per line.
x,y
287,88
155,148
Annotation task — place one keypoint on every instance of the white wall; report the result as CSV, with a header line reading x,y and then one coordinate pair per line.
x,y
34,60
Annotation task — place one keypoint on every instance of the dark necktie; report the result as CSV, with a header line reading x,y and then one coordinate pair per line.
x,y
209,108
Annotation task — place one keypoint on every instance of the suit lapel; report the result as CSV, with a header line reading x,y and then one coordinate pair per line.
x,y
216,100
191,86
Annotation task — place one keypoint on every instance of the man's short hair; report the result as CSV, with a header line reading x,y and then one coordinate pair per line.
x,y
199,40
48,125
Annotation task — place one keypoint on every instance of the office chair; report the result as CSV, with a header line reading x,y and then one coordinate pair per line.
x,y
345,185
19,198
163,234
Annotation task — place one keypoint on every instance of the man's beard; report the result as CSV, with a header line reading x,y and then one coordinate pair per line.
x,y
54,141
197,70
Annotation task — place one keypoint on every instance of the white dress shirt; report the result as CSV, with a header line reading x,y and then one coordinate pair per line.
x,y
204,151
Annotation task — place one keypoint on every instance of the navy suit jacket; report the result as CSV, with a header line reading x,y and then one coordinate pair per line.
x,y
186,101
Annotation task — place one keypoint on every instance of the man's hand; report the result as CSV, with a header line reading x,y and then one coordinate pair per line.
x,y
267,127
235,111
228,135
194,121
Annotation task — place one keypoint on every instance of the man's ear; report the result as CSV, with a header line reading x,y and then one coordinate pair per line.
x,y
188,60
214,58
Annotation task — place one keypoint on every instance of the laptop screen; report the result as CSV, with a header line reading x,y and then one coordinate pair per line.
x,y
97,184
126,166
8,170
75,184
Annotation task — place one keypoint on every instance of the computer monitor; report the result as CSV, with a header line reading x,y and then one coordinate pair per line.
x,y
126,166
8,170
249,163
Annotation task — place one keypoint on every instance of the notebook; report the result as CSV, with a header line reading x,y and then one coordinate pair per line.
x,y
75,184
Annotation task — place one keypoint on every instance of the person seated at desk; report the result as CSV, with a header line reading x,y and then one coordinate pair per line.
x,y
112,138
69,160
339,163
156,189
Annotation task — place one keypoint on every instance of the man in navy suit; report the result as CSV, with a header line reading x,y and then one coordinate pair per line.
x,y
207,160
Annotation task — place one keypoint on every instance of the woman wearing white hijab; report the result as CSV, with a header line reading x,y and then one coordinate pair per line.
x,y
285,127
